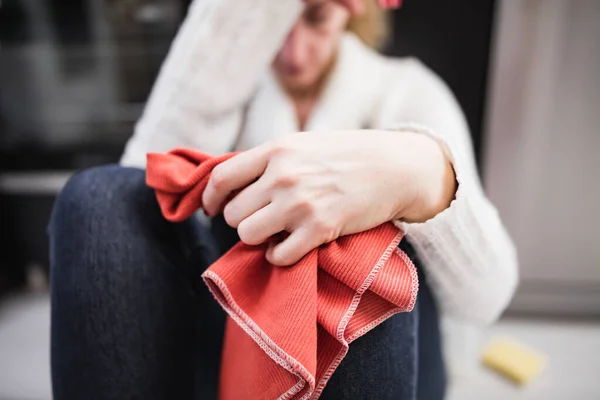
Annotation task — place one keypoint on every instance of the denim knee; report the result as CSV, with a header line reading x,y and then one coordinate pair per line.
x,y
96,191
94,224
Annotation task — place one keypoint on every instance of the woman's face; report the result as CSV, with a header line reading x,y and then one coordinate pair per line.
x,y
310,47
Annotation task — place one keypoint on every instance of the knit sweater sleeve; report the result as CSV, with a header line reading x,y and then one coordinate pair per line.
x,y
469,258
212,67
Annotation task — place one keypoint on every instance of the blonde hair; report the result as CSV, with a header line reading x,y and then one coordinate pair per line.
x,y
372,26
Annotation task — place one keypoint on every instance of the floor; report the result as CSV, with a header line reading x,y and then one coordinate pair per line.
x,y
24,348
572,372
573,349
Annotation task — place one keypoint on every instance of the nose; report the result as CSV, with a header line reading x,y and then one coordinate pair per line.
x,y
294,52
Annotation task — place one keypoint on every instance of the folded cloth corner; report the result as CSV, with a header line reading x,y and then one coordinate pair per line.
x,y
289,328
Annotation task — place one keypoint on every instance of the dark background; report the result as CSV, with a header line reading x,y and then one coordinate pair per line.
x,y
453,38
74,75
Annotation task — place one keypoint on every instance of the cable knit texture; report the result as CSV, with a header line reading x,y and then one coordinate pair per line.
x,y
290,327
215,93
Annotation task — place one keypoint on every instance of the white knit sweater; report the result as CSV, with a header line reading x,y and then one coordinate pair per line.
x,y
215,93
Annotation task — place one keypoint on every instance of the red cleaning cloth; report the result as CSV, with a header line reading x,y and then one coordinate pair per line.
x,y
290,327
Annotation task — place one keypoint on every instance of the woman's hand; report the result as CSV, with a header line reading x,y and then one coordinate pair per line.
x,y
318,186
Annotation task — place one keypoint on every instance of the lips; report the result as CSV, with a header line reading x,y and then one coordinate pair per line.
x,y
292,70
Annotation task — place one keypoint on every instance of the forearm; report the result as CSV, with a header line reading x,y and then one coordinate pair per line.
x,y
435,183
221,49
215,61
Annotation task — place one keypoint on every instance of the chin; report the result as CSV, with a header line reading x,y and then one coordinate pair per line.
x,y
297,83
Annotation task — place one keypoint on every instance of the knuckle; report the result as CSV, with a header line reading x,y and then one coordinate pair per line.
x,y
218,177
285,180
281,258
230,215
325,228
278,147
248,233
305,206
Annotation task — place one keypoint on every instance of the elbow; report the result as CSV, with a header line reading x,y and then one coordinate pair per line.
x,y
491,296
132,160
484,298
134,154
501,295
504,282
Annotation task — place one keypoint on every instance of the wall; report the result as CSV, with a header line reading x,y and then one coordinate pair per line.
x,y
542,162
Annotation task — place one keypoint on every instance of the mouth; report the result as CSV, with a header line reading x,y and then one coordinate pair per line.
x,y
292,70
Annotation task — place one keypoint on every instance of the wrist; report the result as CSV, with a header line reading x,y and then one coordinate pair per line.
x,y
436,182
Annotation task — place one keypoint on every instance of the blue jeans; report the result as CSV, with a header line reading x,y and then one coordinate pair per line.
x,y
132,319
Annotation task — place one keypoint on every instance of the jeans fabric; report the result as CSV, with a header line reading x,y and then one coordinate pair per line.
x,y
132,319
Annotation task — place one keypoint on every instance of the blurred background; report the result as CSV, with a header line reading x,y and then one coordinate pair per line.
x,y
74,76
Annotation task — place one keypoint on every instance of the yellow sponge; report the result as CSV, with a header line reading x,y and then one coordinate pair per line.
x,y
513,360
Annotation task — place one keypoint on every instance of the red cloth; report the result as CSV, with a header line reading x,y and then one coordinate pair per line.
x,y
302,317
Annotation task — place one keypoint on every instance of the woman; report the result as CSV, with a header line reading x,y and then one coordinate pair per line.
x,y
127,301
